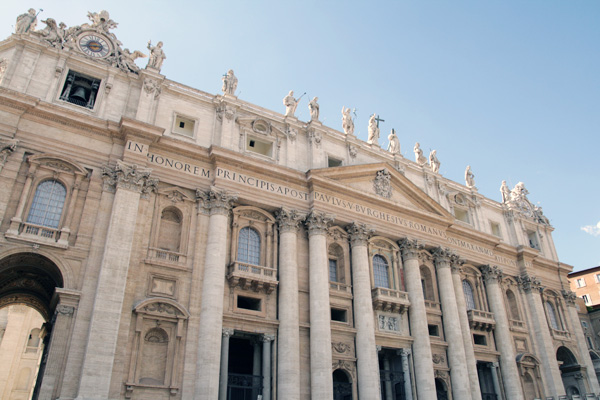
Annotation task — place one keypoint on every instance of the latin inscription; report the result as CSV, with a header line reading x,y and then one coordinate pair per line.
x,y
170,163
261,184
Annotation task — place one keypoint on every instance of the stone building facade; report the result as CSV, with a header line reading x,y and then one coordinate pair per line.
x,y
186,245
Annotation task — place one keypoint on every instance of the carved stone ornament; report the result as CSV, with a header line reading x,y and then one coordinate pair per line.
x,y
491,273
3,67
130,177
359,233
341,347
314,137
288,220
383,183
317,222
227,332
517,201
345,365
442,257
175,196
65,310
225,110
159,308
410,248
456,264
387,323
152,88
260,125
266,338
569,296
441,374
438,359
6,149
216,201
352,150
529,283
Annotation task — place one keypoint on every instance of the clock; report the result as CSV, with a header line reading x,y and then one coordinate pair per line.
x,y
94,45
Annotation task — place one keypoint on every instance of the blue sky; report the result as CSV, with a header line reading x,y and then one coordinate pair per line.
x,y
511,88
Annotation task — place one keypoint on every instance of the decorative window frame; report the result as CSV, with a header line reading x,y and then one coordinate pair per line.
x,y
461,201
552,297
103,87
386,248
43,167
338,238
473,276
165,313
174,128
171,197
426,262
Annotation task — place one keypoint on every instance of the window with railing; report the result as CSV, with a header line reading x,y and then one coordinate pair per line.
x,y
249,246
47,205
381,272
469,296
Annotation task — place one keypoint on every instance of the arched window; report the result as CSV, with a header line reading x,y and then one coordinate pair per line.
x,y
249,246
48,203
552,315
427,283
469,297
170,229
380,272
513,308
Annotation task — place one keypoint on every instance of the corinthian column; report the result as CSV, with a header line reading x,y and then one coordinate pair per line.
x,y
581,342
552,378
417,316
456,352
288,342
461,305
128,182
321,383
213,288
366,355
510,373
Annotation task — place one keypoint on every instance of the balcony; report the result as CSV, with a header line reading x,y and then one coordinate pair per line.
x,y
517,325
167,257
481,320
340,288
252,277
39,234
559,334
433,307
389,300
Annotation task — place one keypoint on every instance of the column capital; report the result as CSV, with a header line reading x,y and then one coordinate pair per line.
x,y
569,296
228,332
288,220
129,177
443,257
378,348
359,233
456,264
410,248
491,274
404,352
317,222
266,338
529,283
215,200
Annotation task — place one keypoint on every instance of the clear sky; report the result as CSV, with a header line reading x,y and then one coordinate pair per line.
x,y
511,88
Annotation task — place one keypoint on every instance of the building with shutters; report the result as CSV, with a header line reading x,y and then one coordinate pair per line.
x,y
181,244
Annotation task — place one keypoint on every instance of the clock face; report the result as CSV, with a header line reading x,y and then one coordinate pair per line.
x,y
94,46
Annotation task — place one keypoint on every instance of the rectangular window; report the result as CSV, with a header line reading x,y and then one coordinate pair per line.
x,y
479,340
580,282
184,126
589,342
533,240
339,315
248,303
597,278
333,162
586,299
333,275
495,227
461,215
434,330
80,89
260,147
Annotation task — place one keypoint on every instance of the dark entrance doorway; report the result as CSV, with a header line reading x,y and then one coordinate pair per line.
x,y
30,279
342,386
486,381
391,376
441,389
244,380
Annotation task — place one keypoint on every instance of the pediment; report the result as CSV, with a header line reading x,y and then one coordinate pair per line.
x,y
382,183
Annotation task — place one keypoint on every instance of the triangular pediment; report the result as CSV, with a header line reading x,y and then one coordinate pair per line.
x,y
379,182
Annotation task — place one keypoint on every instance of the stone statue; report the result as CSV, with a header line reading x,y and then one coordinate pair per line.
x,y
394,146
505,192
519,193
347,123
26,22
101,21
313,108
290,104
419,157
50,33
373,130
434,162
157,55
126,60
229,83
469,177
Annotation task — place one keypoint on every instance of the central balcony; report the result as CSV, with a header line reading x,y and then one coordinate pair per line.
x,y
481,320
389,300
252,277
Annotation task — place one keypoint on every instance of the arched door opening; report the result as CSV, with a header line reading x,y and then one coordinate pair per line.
x,y
441,389
570,371
27,301
391,375
342,385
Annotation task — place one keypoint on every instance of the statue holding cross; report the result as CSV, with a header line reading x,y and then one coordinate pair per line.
x,y
374,129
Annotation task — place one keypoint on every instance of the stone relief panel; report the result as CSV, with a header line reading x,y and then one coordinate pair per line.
x,y
389,322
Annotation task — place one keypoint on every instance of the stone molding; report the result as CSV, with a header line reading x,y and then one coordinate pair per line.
x,y
529,283
216,201
288,220
410,248
569,297
65,310
491,273
318,222
129,177
228,332
359,233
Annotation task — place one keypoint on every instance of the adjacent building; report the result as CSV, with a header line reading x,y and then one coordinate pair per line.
x,y
181,244
586,284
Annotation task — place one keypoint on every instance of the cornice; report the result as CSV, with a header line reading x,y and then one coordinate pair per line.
x,y
129,127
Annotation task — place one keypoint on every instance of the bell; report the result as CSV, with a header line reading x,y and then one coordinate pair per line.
x,y
79,94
